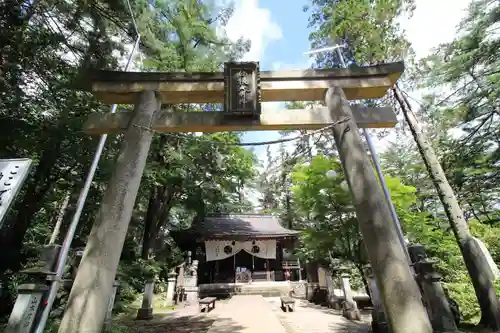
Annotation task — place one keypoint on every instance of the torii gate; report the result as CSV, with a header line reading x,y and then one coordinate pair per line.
x,y
242,87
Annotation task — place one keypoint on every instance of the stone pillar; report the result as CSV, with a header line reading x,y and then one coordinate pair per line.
x,y
439,310
25,314
416,252
310,290
398,290
76,262
171,285
379,322
349,308
191,284
111,305
27,306
179,286
93,285
46,265
146,310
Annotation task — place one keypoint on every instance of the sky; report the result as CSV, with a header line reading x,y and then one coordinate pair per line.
x,y
279,36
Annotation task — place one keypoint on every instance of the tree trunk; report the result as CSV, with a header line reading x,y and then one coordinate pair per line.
x,y
289,219
474,259
163,213
59,218
156,215
149,224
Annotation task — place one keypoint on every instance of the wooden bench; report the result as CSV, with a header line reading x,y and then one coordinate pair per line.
x,y
206,302
287,303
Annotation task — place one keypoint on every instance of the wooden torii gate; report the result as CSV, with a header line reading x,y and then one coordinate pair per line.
x,y
241,88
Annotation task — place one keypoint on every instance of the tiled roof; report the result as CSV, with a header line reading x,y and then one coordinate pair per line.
x,y
240,225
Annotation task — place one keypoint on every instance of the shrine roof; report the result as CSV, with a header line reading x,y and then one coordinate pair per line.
x,y
228,226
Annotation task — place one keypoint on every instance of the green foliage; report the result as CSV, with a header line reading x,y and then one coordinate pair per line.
x,y
330,232
468,68
117,328
48,50
370,28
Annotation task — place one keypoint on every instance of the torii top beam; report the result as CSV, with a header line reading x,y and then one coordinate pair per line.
x,y
297,85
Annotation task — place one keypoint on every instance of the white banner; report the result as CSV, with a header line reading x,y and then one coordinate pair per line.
x,y
218,250
265,249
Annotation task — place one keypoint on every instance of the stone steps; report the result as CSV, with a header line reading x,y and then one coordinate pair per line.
x,y
251,289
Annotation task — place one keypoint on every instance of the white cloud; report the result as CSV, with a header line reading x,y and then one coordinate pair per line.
x,y
255,23
433,23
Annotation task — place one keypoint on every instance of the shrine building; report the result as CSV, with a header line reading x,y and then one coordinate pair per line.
x,y
240,249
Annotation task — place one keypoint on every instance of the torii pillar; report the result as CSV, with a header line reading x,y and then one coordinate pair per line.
x,y
93,285
398,289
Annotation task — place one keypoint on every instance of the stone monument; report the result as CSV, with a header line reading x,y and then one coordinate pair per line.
x,y
379,322
146,310
191,284
349,306
437,305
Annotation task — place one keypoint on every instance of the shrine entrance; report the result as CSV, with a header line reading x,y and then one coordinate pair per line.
x,y
238,248
241,88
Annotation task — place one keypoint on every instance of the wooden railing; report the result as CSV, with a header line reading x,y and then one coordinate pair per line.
x,y
291,264
263,276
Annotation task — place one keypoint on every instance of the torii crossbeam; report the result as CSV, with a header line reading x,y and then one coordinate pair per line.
x,y
297,85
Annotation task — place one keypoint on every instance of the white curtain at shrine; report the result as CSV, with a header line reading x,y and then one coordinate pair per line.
x,y
265,249
218,250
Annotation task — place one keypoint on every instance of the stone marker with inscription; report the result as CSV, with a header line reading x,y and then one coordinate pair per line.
x,y
146,310
13,174
26,307
242,89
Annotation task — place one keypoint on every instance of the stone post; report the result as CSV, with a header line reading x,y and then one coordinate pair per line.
x,y
191,284
349,307
439,310
416,252
179,285
171,285
312,280
25,310
146,310
111,305
398,290
45,266
25,313
93,285
379,322
76,262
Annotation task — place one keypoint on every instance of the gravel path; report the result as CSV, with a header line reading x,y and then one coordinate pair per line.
x,y
310,318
